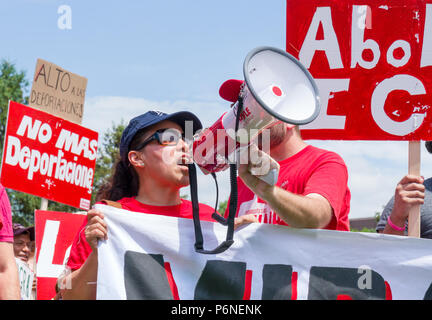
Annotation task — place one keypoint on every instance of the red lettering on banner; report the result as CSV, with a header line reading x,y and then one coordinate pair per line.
x,y
171,281
294,278
326,283
389,295
248,285
371,72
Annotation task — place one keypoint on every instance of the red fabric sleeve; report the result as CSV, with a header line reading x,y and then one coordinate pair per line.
x,y
6,231
80,249
330,180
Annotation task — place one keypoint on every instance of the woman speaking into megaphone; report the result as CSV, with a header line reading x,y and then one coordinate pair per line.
x,y
147,179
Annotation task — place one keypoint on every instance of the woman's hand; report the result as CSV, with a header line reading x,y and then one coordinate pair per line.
x,y
96,228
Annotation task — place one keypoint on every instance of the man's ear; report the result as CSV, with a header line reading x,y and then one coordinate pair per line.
x,y
135,158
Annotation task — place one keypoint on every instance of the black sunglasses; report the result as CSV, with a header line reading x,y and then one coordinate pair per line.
x,y
165,137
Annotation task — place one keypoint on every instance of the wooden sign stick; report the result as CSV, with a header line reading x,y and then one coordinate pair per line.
x,y
414,168
44,204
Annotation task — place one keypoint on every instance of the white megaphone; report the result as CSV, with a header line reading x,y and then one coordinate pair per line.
x,y
276,87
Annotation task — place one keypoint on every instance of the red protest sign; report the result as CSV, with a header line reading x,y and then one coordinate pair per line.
x,y
54,232
48,156
372,63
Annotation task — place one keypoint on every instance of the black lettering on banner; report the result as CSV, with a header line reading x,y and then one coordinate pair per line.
x,y
277,282
332,283
145,277
428,294
221,280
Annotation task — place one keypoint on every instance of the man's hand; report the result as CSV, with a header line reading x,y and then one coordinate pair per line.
x,y
245,219
255,163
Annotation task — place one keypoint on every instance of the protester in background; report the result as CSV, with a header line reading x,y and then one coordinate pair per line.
x,y
147,178
23,241
311,191
32,265
24,248
9,281
410,191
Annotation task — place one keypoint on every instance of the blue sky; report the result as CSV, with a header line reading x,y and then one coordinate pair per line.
x,y
150,49
173,55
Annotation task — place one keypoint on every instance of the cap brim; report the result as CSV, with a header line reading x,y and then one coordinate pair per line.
x,y
30,231
230,89
182,117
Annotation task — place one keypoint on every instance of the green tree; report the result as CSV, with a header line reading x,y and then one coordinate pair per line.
x,y
15,87
222,207
107,156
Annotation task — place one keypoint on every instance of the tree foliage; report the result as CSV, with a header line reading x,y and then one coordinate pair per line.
x,y
107,155
14,86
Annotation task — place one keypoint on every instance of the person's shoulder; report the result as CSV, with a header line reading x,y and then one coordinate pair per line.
x,y
121,202
204,210
428,184
188,203
325,154
2,192
126,200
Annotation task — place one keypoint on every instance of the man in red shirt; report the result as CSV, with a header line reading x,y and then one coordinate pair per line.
x,y
311,191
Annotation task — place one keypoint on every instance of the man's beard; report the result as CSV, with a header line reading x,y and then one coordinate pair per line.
x,y
276,136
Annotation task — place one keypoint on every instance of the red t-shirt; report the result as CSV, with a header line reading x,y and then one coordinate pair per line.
x,y
312,170
81,249
6,231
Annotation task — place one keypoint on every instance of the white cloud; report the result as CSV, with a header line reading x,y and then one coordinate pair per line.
x,y
374,167
101,112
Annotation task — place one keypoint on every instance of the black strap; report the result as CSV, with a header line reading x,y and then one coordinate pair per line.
x,y
215,215
199,241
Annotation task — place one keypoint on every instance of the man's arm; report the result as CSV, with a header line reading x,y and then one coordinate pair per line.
x,y
309,211
9,281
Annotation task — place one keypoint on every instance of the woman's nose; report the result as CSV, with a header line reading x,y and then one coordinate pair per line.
x,y
183,145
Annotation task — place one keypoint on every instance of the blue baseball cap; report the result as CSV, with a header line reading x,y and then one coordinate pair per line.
x,y
151,118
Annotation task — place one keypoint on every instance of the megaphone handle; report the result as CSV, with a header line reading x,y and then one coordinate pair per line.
x,y
271,177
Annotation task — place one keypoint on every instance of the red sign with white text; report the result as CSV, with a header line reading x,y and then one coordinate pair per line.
x,y
48,156
372,61
54,232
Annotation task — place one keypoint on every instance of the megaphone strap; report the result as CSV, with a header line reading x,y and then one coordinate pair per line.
x,y
199,241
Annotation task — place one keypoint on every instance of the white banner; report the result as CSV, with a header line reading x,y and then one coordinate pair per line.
x,y
26,279
153,257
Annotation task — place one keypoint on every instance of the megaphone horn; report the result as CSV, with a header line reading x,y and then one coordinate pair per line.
x,y
276,87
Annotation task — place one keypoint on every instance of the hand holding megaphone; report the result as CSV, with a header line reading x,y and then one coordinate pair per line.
x,y
256,167
276,87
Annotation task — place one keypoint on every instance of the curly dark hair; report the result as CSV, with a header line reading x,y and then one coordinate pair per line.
x,y
124,181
